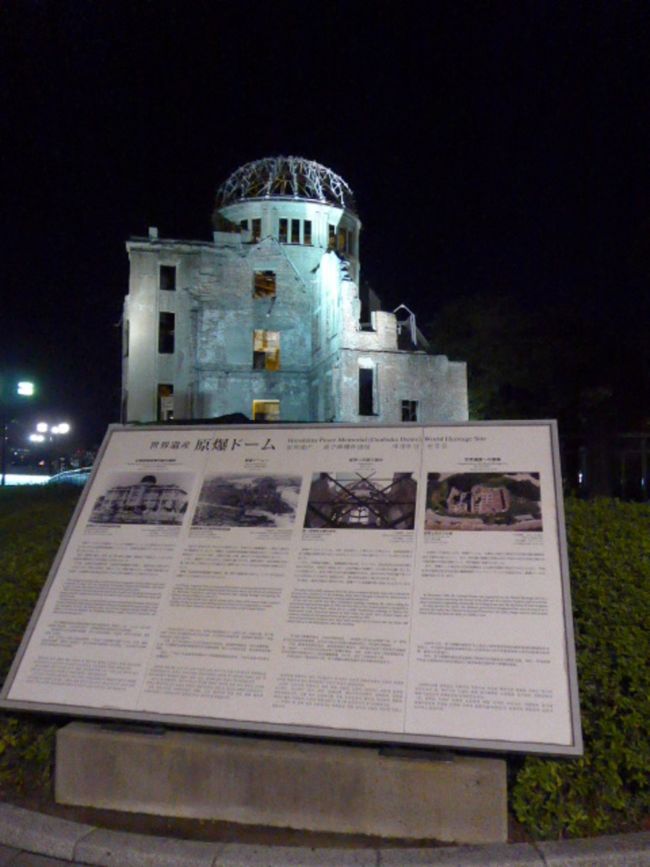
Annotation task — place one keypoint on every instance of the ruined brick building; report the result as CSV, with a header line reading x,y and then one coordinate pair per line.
x,y
267,318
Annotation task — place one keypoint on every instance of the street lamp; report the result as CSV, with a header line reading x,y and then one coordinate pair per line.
x,y
48,433
23,388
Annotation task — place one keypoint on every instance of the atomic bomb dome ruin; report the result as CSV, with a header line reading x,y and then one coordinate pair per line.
x,y
267,319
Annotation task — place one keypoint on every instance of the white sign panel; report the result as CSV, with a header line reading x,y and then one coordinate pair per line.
x,y
401,584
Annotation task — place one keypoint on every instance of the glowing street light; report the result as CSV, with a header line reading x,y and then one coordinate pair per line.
x,y
47,433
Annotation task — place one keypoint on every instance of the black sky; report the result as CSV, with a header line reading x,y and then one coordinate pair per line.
x,y
493,148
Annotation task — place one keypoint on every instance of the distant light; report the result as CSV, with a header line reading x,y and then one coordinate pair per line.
x,y
36,438
20,479
62,428
42,427
26,389
580,478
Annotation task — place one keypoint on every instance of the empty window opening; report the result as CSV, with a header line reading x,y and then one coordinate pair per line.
x,y
364,312
341,243
166,325
306,232
406,328
168,278
266,410
283,232
264,284
366,391
331,239
165,401
266,350
257,229
243,225
409,410
295,231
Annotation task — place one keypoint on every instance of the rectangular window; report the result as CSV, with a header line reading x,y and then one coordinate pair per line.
x,y
264,284
257,229
283,231
266,350
266,410
331,236
341,242
306,232
243,225
295,231
409,410
166,333
366,391
168,278
165,401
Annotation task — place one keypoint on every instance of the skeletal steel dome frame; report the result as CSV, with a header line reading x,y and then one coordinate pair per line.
x,y
287,178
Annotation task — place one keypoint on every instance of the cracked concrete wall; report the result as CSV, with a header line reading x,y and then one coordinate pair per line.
x,y
229,315
342,348
315,312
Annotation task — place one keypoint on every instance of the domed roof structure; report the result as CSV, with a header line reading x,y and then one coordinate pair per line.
x,y
286,178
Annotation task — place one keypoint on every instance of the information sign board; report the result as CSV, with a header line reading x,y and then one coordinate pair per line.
x,y
399,584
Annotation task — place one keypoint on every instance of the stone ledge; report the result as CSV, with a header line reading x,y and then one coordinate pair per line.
x,y
496,855
37,832
138,850
622,850
122,849
262,781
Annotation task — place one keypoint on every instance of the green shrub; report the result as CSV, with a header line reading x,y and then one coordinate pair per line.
x,y
26,754
608,789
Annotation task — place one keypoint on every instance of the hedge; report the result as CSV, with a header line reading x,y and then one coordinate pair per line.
x,y
608,789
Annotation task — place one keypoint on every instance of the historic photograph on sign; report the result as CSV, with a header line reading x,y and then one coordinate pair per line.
x,y
134,498
483,501
361,501
248,500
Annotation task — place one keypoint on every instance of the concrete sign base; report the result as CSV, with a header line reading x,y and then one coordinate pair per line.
x,y
251,780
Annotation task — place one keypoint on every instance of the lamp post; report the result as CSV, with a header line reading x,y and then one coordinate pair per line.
x,y
47,433
22,388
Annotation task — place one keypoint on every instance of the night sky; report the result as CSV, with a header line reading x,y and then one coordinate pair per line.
x,y
494,148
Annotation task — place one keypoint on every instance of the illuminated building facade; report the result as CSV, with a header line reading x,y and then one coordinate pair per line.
x,y
267,318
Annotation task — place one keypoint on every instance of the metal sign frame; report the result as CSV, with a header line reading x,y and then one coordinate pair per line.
x,y
16,695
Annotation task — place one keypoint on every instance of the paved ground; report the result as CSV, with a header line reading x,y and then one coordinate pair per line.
x,y
29,839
